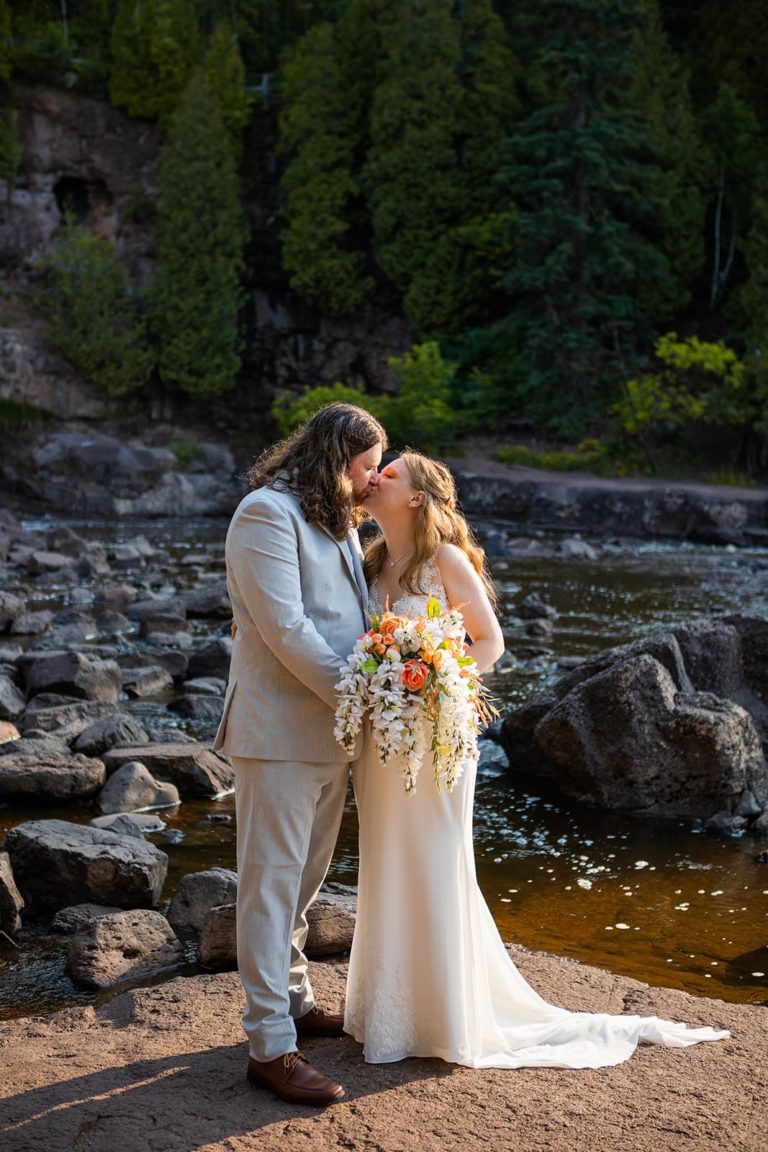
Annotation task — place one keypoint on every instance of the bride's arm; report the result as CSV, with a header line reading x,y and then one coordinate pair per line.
x,y
464,589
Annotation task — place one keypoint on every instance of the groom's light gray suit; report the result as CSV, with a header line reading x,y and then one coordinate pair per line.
x,y
298,598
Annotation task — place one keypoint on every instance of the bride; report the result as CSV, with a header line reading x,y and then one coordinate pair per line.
x,y
429,974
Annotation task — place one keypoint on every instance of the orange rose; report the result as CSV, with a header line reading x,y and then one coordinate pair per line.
x,y
389,624
414,675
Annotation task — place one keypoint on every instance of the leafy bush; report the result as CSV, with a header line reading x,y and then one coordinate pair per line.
x,y
93,318
290,410
696,382
418,414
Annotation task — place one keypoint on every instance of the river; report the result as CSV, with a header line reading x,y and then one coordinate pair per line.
x,y
661,901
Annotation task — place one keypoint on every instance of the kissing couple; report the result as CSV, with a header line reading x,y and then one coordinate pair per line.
x,y
429,975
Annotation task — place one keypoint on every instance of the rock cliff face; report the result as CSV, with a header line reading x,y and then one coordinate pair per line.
x,y
84,157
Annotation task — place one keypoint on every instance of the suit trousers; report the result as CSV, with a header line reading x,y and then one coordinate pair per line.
x,y
288,818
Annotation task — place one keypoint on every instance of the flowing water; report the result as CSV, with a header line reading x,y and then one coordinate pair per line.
x,y
661,901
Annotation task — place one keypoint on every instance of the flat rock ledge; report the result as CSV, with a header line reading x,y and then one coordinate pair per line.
x,y
163,1068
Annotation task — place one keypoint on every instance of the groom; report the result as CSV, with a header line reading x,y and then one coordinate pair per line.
x,y
298,596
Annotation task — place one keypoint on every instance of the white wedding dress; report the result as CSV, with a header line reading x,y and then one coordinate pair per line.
x,y
428,973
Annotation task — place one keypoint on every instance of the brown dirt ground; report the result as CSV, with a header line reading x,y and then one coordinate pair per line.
x,y
162,1070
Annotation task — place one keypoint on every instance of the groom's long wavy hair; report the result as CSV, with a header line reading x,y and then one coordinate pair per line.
x,y
438,521
313,463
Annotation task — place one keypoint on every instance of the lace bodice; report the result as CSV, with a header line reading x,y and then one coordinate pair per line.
x,y
410,603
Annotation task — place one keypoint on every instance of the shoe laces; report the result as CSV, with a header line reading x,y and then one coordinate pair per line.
x,y
290,1060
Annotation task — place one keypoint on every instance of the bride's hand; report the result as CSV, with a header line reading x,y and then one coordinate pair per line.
x,y
233,628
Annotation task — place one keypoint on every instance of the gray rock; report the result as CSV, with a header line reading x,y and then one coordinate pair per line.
x,y
174,663
197,894
217,948
50,778
110,732
163,622
212,600
10,607
41,562
57,863
534,608
212,659
11,699
130,823
195,706
123,946
74,674
331,922
206,686
577,549
31,623
35,743
11,900
158,606
627,740
64,720
68,921
193,768
63,539
174,640
149,681
132,788
331,925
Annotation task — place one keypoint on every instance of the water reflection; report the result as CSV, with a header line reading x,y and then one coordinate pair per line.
x,y
655,900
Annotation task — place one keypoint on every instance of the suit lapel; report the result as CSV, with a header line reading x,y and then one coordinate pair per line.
x,y
350,551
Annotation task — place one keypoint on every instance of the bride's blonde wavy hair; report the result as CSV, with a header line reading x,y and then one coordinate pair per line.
x,y
438,521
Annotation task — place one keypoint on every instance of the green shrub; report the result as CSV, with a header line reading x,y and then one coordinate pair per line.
x,y
93,318
291,409
417,415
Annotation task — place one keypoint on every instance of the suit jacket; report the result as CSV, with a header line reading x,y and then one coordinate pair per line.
x,y
299,601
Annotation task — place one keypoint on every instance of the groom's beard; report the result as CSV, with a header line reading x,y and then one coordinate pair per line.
x,y
359,496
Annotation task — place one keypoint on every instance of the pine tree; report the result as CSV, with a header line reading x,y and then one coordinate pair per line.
x,y
154,50
661,91
411,177
319,124
225,77
583,176
196,293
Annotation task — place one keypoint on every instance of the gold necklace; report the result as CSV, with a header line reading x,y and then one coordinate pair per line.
x,y
396,561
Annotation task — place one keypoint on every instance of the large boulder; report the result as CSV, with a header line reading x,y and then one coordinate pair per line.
x,y
197,893
57,863
132,788
74,674
66,720
50,777
670,725
331,921
123,946
193,768
109,732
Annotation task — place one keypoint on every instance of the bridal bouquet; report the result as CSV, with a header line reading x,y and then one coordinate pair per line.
x,y
421,690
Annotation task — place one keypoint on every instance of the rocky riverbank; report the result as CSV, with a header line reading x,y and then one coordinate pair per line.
x,y
161,470
163,1068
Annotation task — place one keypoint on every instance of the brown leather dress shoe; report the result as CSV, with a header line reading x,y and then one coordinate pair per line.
x,y
319,1023
293,1078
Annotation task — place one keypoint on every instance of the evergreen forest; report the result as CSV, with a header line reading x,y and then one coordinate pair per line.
x,y
566,201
